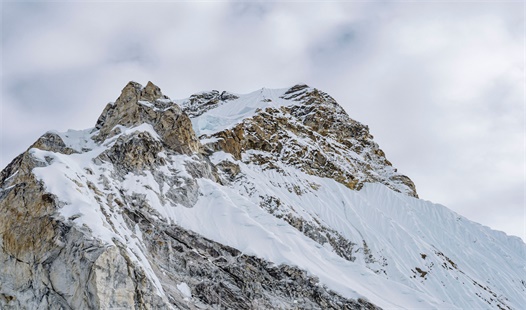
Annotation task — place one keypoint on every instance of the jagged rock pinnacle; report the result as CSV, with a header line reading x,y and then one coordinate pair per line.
x,y
147,105
152,92
134,91
130,92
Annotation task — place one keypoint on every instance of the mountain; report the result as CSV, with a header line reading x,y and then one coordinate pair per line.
x,y
275,199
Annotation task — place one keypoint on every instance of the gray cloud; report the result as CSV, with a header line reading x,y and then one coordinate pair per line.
x,y
439,84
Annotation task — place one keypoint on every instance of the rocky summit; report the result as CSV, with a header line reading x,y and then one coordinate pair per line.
x,y
275,199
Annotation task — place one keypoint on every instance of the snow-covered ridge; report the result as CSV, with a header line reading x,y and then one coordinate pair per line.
x,y
213,111
281,181
233,109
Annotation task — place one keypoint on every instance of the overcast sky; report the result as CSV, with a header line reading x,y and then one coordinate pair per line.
x,y
440,84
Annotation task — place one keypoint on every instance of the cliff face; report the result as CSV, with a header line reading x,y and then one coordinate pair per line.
x,y
314,134
275,199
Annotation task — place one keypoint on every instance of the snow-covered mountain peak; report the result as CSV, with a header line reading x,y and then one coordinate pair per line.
x,y
275,199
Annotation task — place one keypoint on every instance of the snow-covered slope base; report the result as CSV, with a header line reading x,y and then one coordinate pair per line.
x,y
282,201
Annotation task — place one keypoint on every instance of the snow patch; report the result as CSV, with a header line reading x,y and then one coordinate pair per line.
x,y
184,289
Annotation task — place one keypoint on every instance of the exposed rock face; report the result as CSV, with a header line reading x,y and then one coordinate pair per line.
x,y
135,152
52,142
139,213
199,103
315,135
137,105
47,263
221,275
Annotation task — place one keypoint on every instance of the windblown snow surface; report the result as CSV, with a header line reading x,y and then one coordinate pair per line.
x,y
234,111
422,255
